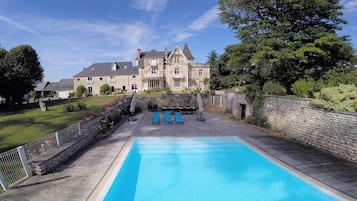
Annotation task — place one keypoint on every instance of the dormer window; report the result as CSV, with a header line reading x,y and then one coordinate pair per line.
x,y
177,71
114,66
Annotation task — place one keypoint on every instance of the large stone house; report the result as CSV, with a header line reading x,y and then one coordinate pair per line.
x,y
153,69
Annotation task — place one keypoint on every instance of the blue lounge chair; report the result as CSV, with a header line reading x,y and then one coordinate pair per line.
x,y
155,118
178,118
167,117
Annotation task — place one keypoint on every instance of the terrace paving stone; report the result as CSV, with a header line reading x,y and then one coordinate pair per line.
x,y
78,177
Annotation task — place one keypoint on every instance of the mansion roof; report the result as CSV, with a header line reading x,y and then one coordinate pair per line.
x,y
64,84
106,69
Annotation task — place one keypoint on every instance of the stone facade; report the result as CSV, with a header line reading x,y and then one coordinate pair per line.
x,y
329,131
152,70
171,69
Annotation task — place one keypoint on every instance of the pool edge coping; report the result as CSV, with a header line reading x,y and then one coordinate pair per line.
x,y
108,177
312,181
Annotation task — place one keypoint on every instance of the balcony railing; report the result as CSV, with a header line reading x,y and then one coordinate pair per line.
x,y
177,75
90,82
154,75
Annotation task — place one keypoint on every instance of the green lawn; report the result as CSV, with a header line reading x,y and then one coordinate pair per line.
x,y
27,125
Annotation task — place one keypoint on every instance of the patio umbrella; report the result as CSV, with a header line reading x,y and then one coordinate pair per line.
x,y
200,107
133,103
132,107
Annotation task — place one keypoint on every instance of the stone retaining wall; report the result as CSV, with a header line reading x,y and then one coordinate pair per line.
x,y
329,131
57,156
49,161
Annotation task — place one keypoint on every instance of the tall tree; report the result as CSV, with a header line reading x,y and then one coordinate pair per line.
x,y
3,52
22,70
212,62
291,38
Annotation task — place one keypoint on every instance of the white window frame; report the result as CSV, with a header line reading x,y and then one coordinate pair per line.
x,y
200,72
177,83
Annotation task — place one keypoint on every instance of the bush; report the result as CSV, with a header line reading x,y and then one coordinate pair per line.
x,y
80,91
71,95
304,88
355,104
339,98
256,99
273,88
158,91
104,89
259,120
333,78
68,108
81,105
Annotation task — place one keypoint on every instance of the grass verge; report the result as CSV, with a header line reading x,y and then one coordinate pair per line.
x,y
24,126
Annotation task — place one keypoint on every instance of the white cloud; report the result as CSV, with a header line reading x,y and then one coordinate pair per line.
x,y
183,36
349,5
205,20
154,6
198,24
66,46
20,26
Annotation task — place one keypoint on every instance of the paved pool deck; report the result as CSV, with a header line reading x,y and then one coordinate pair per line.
x,y
75,180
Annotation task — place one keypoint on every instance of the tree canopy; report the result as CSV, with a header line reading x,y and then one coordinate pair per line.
x,y
285,40
20,70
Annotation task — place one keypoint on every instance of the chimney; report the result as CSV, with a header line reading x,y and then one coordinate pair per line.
x,y
165,54
138,52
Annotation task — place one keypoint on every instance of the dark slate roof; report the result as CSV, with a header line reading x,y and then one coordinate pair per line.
x,y
64,84
103,69
41,86
186,51
152,54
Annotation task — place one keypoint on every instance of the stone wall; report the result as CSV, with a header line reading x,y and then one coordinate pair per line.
x,y
329,131
49,161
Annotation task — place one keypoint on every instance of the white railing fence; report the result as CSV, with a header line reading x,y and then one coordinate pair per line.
x,y
14,166
14,163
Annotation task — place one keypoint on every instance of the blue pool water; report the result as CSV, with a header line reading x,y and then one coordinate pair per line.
x,y
204,169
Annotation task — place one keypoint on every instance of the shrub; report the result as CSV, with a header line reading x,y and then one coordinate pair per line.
x,y
256,99
104,89
81,105
334,77
70,95
68,108
260,120
355,104
273,88
304,88
158,91
339,98
80,91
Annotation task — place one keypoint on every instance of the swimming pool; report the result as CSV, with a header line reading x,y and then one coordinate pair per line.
x,y
203,169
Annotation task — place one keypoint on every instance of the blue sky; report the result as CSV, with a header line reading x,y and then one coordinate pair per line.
x,y
70,35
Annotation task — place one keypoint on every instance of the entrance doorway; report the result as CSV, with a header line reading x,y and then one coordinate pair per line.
x,y
242,111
